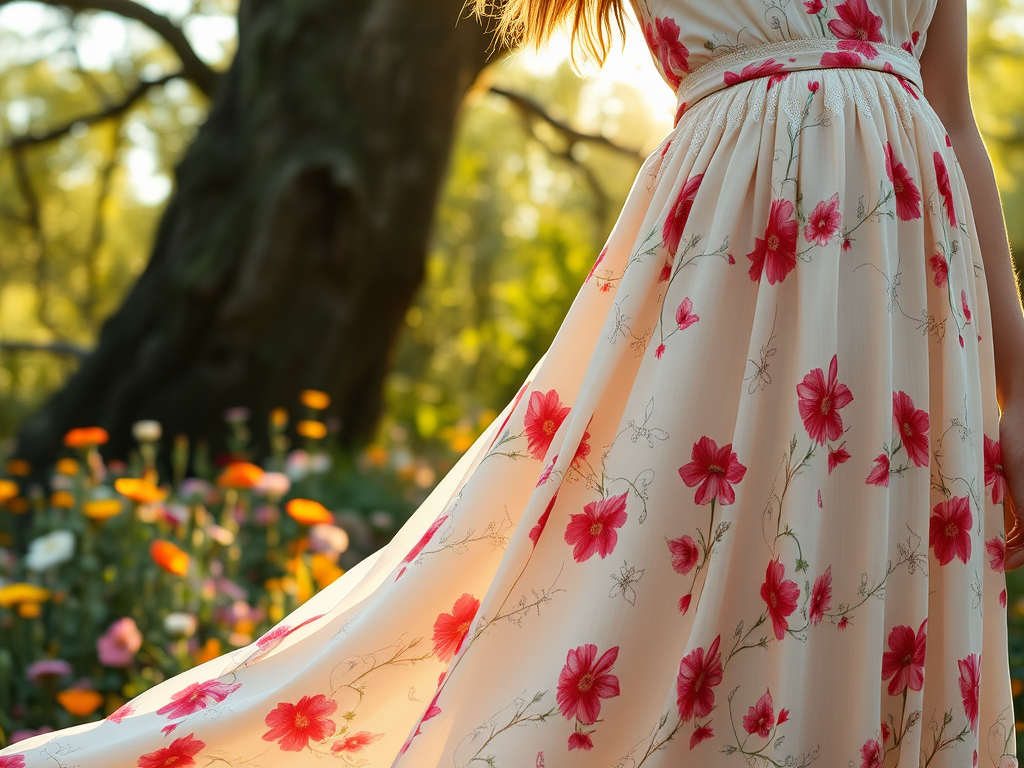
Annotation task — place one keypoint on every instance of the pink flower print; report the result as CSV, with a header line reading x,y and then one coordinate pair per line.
x,y
659,351
450,629
538,529
942,180
293,726
813,86
196,696
714,469
760,717
672,231
424,540
857,27
699,672
684,603
813,6
887,67
908,197
963,305
354,743
580,740
684,554
824,221
837,456
841,59
663,40
871,754
773,70
912,424
842,623
119,714
821,596
593,531
12,761
1002,598
996,548
583,682
544,416
911,44
600,258
970,682
684,314
700,733
879,474
904,661
180,754
775,253
950,529
780,596
819,403
582,450
940,270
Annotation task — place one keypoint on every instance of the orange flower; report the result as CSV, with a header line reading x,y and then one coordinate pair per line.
x,y
314,430
240,474
315,399
19,505
86,437
80,702
169,556
67,467
140,491
378,455
308,512
1016,686
29,610
18,468
102,509
62,500
209,650
279,418
8,490
324,570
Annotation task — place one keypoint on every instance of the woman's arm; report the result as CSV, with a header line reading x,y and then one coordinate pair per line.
x,y
944,73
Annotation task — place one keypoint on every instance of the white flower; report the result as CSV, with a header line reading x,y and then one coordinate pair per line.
x,y
147,431
273,484
50,550
296,465
328,539
180,626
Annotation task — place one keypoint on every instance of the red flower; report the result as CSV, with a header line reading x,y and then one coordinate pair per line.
x,y
450,629
837,456
841,59
858,27
963,305
824,221
672,231
593,530
904,661
775,253
996,547
543,418
295,725
913,426
879,474
538,529
940,269
424,539
970,682
780,596
684,554
354,743
871,754
659,351
813,86
583,682
760,717
942,179
580,740
842,623
908,198
180,754
663,40
768,67
684,314
699,672
684,603
821,596
950,529
715,469
819,403
1002,598
701,733
813,6
125,710
197,696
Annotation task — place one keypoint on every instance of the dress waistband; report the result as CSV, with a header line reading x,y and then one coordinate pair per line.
x,y
775,60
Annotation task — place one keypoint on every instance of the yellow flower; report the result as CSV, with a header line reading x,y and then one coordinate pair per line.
x,y
169,556
29,610
18,468
67,467
210,650
62,500
279,418
141,491
314,430
102,509
240,474
315,399
308,512
80,702
86,437
22,592
8,490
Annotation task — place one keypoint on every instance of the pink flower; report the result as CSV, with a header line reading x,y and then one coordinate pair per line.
x,y
879,474
813,6
940,269
538,529
819,403
970,682
600,258
684,603
583,682
180,754
354,743
950,529
699,672
582,450
857,27
714,469
450,629
684,554
700,733
942,179
760,717
125,710
821,596
593,530
543,418
823,222
904,661
684,314
994,474
837,456
672,231
12,761
1002,598
996,547
842,623
424,539
813,85
118,645
912,424
775,71
47,668
780,596
659,351
196,696
580,740
295,725
273,638
963,305
841,59
908,198
671,54
775,253
871,754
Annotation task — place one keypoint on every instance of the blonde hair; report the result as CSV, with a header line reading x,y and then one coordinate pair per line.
x,y
531,22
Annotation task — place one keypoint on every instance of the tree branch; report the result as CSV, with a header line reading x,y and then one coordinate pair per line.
x,y
192,67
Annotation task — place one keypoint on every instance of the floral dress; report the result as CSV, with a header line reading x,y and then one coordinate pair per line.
x,y
745,511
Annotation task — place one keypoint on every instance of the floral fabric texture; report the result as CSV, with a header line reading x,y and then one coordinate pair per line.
x,y
745,511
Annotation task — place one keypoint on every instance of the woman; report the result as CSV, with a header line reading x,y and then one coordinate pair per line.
x,y
748,509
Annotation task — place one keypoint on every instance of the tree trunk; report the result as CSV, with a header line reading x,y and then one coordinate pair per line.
x,y
298,230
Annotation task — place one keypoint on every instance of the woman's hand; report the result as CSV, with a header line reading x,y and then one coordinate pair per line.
x,y
1011,445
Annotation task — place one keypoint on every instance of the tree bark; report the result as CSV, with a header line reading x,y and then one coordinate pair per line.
x,y
297,233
